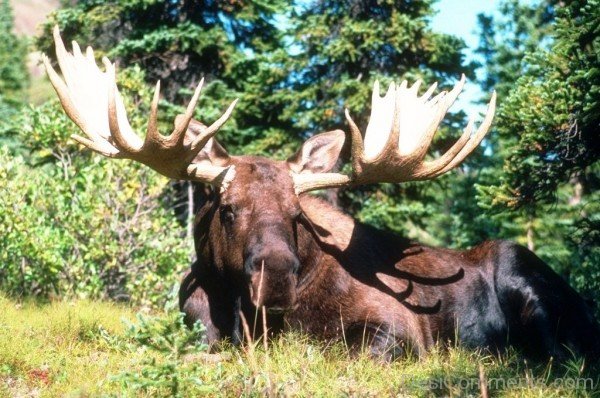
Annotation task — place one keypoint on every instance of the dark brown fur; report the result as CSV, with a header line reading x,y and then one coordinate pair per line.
x,y
333,278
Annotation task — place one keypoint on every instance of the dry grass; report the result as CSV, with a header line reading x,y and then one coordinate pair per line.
x,y
52,349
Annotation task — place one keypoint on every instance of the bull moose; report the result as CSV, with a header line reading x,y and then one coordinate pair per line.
x,y
264,244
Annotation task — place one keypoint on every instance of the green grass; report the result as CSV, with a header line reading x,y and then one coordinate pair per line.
x,y
93,348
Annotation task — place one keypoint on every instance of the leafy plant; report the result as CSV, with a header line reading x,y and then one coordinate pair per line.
x,y
72,224
169,348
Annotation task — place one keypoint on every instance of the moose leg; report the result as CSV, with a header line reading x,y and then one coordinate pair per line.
x,y
204,296
546,316
378,341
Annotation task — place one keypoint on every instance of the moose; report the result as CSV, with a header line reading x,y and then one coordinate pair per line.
x,y
265,245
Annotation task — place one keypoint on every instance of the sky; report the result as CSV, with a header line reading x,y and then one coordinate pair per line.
x,y
459,18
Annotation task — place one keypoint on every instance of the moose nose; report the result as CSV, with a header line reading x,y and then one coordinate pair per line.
x,y
276,310
272,277
271,262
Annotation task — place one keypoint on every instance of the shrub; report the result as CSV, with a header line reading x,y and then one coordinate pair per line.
x,y
79,225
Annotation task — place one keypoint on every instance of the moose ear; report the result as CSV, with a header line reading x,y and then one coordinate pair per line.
x,y
318,154
213,152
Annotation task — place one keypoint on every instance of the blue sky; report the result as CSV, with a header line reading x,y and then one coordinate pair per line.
x,y
459,18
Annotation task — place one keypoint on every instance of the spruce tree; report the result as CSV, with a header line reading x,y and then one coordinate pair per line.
x,y
13,72
548,135
14,77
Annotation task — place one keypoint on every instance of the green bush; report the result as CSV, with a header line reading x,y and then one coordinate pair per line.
x,y
93,230
76,224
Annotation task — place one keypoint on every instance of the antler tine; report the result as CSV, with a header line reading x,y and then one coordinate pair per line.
x,y
391,146
415,87
454,93
475,139
116,131
377,138
224,117
357,149
89,53
105,149
76,50
210,131
427,94
63,94
152,133
181,126
62,56
431,167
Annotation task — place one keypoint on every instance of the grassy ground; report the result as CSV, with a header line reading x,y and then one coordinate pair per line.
x,y
91,349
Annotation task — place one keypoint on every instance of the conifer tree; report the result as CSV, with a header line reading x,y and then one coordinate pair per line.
x,y
547,132
13,72
14,78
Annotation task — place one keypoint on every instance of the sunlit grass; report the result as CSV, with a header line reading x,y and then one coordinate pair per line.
x,y
85,349
52,348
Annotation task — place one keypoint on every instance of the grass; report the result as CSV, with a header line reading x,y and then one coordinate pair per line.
x,y
101,349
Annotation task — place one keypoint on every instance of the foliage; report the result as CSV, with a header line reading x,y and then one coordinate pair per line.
x,y
584,245
547,131
556,130
169,349
62,234
76,225
82,348
13,73
521,28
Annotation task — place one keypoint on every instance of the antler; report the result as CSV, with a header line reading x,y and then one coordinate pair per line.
x,y
92,100
400,130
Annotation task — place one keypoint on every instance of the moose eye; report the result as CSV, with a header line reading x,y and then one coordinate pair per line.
x,y
227,214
